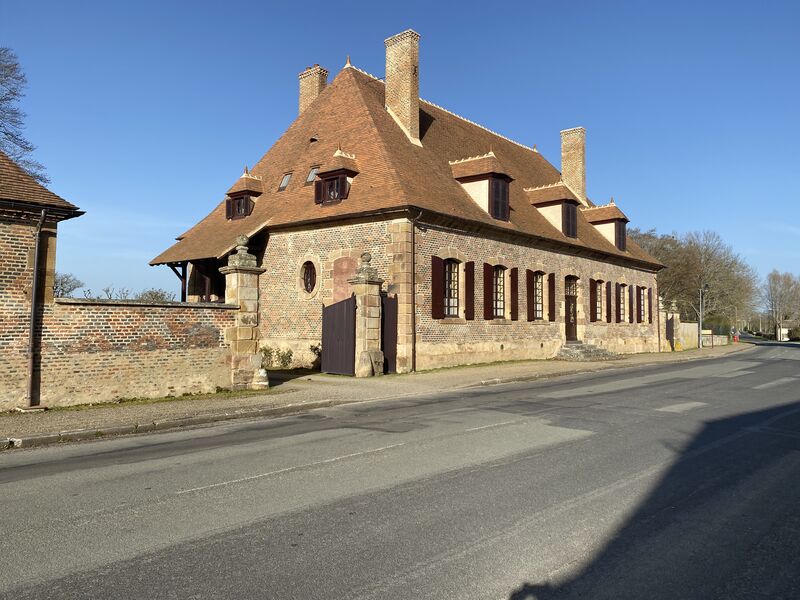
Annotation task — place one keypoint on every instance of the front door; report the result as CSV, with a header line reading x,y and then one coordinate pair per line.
x,y
571,308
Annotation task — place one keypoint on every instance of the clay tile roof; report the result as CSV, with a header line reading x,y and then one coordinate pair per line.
x,y
17,185
393,174
550,193
608,212
477,165
247,183
340,161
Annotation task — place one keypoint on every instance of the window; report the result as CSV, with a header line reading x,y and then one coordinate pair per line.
x,y
451,267
598,308
499,292
538,296
620,235
331,188
284,181
640,304
309,273
498,198
312,175
569,219
621,303
238,207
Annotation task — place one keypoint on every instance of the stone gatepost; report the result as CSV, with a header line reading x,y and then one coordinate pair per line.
x,y
367,289
241,288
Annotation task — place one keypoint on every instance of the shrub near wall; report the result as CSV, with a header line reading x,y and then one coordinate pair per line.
x,y
98,351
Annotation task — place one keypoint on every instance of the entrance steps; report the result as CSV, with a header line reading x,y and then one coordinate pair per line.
x,y
580,352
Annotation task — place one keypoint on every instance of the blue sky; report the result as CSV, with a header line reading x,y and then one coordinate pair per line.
x,y
144,113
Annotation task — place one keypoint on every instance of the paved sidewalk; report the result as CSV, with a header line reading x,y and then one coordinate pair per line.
x,y
290,395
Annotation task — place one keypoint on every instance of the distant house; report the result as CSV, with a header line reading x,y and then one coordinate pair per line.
x,y
491,252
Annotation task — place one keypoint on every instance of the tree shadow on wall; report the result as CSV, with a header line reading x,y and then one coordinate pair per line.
x,y
724,522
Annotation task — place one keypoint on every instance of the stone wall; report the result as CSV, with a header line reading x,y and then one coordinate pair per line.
x,y
444,342
99,351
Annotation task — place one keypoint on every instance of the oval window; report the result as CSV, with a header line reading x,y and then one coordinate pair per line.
x,y
309,276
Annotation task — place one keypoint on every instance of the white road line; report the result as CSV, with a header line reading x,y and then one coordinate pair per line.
x,y
288,469
493,425
682,407
775,383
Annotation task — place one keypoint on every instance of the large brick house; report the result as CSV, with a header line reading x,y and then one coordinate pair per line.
x,y
491,252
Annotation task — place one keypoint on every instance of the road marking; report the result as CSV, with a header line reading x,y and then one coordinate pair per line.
x,y
493,425
288,469
775,383
682,407
734,374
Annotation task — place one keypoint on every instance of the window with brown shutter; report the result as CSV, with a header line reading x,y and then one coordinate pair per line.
x,y
332,188
488,296
592,301
469,291
649,305
238,207
498,198
551,296
569,219
499,292
608,302
451,285
514,304
535,295
437,287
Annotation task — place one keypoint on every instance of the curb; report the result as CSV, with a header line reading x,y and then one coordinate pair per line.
x,y
46,439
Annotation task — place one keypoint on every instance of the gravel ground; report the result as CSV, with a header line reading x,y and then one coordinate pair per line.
x,y
313,389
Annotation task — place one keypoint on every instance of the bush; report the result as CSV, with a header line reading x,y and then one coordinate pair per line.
x,y
272,357
794,334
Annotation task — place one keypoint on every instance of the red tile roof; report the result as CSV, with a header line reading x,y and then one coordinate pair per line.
x,y
17,186
609,212
550,193
393,173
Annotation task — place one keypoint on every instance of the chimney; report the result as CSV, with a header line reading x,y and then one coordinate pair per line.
x,y
312,81
573,160
402,81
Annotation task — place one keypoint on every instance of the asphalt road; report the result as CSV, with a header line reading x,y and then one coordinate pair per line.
x,y
678,481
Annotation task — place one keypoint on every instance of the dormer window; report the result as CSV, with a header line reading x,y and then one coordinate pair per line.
x,y
498,198
569,219
287,177
331,188
621,235
238,207
312,175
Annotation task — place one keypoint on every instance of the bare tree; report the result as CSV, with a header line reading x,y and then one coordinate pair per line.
x,y
155,295
781,296
12,140
64,284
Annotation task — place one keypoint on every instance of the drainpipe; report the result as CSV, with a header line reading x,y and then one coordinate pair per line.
x,y
414,290
33,402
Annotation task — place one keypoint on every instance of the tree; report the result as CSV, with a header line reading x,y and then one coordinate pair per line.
x,y
781,296
155,295
695,260
12,140
64,284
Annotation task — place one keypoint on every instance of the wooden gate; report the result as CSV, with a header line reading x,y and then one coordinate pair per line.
x,y
389,333
339,337
571,308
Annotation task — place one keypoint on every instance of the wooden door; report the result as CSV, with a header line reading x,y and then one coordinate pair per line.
x,y
571,308
339,337
389,333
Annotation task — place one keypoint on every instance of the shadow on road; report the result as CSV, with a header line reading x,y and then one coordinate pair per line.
x,y
724,522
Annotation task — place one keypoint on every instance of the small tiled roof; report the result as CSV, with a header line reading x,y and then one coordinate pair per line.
x,y
340,161
608,212
393,174
550,193
477,165
17,185
247,183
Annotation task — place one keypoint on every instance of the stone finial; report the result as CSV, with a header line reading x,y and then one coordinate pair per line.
x,y
242,258
365,271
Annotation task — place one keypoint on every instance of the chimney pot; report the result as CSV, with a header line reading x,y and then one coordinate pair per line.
x,y
402,80
312,81
573,160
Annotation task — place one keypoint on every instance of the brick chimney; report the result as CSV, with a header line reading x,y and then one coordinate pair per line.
x,y
573,160
402,81
312,81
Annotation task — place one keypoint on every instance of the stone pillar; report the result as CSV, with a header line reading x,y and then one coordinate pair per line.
x,y
241,288
367,289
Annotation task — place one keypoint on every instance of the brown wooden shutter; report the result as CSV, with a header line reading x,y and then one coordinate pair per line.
x,y
437,287
618,305
551,296
488,304
493,197
632,290
592,300
530,297
608,302
514,294
469,291
229,208
649,305
343,187
319,192
638,304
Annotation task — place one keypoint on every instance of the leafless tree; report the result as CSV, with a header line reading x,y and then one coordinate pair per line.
x,y
780,294
12,140
155,295
65,284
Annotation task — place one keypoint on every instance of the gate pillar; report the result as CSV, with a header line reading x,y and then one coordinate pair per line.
x,y
241,288
367,289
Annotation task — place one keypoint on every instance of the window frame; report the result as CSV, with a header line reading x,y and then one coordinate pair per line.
x,y
287,178
622,303
304,275
238,207
451,288
312,175
499,291
598,304
538,296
